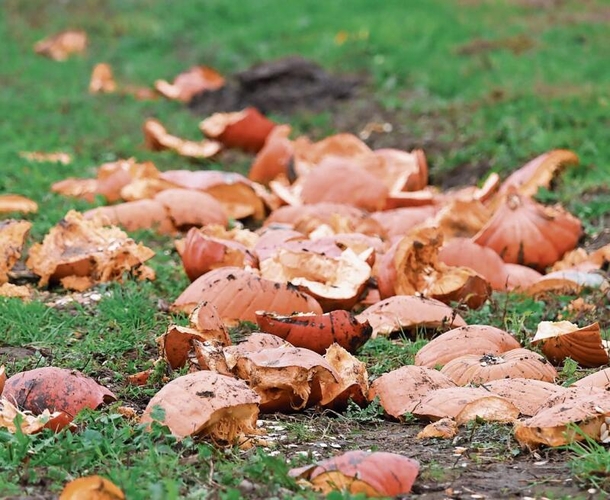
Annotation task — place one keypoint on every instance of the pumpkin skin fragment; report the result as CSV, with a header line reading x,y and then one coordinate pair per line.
x,y
56,389
376,474
524,232
409,312
353,380
287,379
452,401
189,83
206,403
562,339
525,393
91,488
567,421
516,363
472,339
237,294
12,238
317,332
247,129
401,390
273,159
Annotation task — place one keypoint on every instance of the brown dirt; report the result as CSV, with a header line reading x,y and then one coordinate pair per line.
x,y
483,461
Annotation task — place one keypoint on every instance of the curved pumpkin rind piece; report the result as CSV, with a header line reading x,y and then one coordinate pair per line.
x,y
516,363
449,402
405,312
91,488
561,339
526,394
206,403
372,473
55,389
317,332
523,231
237,294
401,390
585,415
471,339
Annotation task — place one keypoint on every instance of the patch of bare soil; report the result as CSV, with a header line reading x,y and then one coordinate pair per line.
x,y
483,461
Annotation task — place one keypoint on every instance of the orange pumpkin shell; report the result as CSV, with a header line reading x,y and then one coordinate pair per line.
x,y
91,488
274,158
472,339
524,232
376,474
401,390
237,295
353,384
317,332
516,363
408,312
247,129
525,393
561,339
56,389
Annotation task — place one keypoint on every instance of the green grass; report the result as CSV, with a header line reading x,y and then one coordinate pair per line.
x,y
489,83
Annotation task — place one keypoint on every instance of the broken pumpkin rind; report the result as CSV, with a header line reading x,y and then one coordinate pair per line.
x,y
206,403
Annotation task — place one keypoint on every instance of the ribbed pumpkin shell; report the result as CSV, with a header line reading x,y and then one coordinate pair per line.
x,y
524,232
401,390
317,332
525,393
409,312
56,389
451,402
472,339
286,378
464,252
237,295
206,403
561,339
566,422
517,363
376,474
600,378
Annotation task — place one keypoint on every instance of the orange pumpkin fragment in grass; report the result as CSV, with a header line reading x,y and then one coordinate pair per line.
x,y
102,80
202,253
274,158
412,267
335,282
91,488
520,277
538,172
157,138
55,389
353,380
338,181
573,417
445,428
189,83
205,404
374,474
516,363
78,248
62,45
464,252
286,378
524,232
11,419
465,403
525,393
17,203
401,390
317,332
237,294
247,129
561,339
12,238
233,191
407,313
472,339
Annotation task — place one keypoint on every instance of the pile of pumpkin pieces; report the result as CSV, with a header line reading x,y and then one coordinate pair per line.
x,y
344,229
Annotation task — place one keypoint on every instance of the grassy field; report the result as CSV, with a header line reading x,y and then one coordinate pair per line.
x,y
481,85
